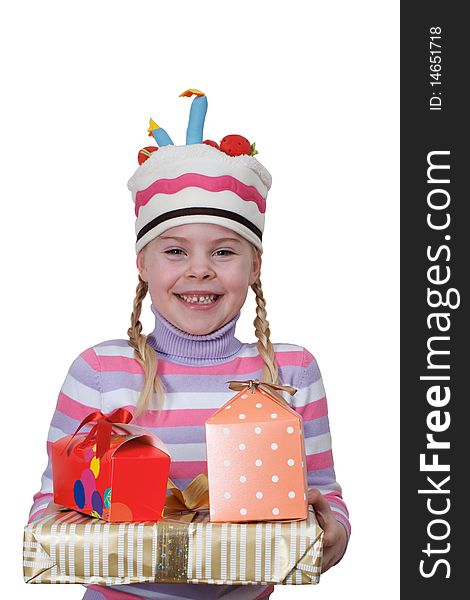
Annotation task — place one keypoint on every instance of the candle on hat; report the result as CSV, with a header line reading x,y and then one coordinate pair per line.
x,y
197,115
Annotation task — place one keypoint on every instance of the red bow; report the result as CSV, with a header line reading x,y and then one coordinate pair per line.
x,y
102,430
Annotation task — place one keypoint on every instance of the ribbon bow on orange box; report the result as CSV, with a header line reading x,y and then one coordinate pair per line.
x,y
255,384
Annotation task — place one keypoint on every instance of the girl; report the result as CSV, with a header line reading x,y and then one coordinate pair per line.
x,y
200,217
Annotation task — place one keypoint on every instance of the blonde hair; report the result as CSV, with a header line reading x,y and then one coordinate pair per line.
x,y
147,357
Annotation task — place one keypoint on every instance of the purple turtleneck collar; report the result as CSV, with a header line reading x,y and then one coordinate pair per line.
x,y
178,345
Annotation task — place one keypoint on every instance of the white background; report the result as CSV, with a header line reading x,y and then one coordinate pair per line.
x,y
315,84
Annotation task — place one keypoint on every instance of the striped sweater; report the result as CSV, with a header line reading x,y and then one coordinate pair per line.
x,y
194,370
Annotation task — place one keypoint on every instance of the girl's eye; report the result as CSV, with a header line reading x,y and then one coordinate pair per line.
x,y
173,251
179,252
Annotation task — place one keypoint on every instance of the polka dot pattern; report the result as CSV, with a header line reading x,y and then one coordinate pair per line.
x,y
254,458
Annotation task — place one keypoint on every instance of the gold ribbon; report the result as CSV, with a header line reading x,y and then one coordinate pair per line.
x,y
269,388
194,497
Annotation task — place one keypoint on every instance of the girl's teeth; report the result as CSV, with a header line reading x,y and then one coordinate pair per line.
x,y
199,299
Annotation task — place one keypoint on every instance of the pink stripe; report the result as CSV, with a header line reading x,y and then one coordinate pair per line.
x,y
342,519
191,417
109,364
39,496
89,356
222,183
335,500
322,460
36,515
71,408
238,365
308,358
338,515
314,410
186,469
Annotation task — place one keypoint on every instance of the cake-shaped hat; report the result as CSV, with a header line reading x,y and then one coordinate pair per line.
x,y
200,182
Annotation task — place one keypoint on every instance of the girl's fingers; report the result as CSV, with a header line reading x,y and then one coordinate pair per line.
x,y
324,513
333,542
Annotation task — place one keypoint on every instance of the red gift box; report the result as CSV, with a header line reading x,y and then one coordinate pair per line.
x,y
117,472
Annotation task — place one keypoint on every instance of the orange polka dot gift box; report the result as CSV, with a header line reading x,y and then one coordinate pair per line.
x,y
256,457
116,471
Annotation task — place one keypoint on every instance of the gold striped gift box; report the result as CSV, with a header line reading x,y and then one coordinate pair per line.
x,y
68,547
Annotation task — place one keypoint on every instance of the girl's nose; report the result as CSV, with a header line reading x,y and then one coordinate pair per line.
x,y
200,269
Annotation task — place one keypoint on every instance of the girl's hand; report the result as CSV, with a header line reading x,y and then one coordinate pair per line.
x,y
334,538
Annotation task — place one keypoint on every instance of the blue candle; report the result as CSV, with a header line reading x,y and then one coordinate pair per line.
x,y
160,135
197,115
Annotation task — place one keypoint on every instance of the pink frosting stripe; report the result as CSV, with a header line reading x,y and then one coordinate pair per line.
x,y
221,183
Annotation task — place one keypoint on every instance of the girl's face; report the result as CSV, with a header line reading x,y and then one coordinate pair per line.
x,y
185,264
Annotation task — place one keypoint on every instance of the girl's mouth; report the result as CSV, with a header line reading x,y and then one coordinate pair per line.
x,y
199,299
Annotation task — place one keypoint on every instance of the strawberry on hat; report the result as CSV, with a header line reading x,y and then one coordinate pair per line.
x,y
235,145
144,153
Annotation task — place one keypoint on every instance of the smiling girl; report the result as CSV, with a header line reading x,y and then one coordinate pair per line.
x,y
200,219
199,281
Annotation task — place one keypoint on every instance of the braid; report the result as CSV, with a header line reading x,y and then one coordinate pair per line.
x,y
270,371
144,353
